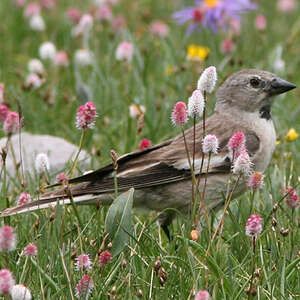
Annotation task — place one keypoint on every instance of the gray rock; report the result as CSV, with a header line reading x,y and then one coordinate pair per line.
x,y
58,150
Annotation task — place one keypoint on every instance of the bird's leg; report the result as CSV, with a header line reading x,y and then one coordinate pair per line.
x,y
166,230
165,219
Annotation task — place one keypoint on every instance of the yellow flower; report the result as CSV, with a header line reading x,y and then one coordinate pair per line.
x,y
277,142
169,70
291,135
211,3
198,53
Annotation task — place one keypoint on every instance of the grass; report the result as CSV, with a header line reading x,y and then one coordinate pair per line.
x,y
225,272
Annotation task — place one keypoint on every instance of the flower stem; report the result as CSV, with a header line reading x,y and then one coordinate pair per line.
x,y
253,266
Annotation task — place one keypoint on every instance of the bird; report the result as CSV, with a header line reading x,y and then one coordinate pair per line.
x,y
161,175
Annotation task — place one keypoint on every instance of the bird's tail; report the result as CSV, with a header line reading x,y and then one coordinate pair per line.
x,y
50,199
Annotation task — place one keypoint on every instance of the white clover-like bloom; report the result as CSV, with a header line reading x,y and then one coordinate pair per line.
x,y
35,66
135,111
83,57
207,80
84,26
196,104
243,164
47,51
42,164
37,23
125,51
33,80
210,144
20,292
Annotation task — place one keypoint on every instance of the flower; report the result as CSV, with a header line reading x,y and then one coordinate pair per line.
x,y
207,80
202,295
159,28
135,111
20,292
124,51
61,59
83,262
84,26
35,66
83,57
286,5
179,114
260,22
292,198
210,144
24,198
213,14
74,14
61,177
104,258
291,135
86,114
118,23
12,123
144,144
1,93
227,46
3,112
254,225
42,164
6,281
237,144
32,9
196,104
8,239
84,287
47,51
30,250
197,53
256,180
103,13
243,164
34,81
37,23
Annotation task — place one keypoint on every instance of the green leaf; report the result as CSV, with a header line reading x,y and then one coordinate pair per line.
x,y
118,222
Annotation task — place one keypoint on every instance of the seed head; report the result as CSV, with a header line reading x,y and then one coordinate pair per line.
x,y
210,144
254,225
207,80
179,114
196,104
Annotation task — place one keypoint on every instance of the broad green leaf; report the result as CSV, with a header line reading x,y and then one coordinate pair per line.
x,y
118,222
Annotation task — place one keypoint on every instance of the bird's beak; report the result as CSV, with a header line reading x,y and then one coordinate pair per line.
x,y
279,86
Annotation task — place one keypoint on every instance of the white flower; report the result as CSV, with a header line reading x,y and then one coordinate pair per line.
x,y
243,164
196,104
83,57
20,292
47,51
34,80
207,80
125,51
84,26
210,144
37,23
42,163
35,66
135,111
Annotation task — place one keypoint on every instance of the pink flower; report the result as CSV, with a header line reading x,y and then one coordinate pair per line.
x,y
179,114
207,80
34,81
74,14
210,144
260,22
61,59
243,164
227,46
3,112
292,199
256,180
159,28
196,104
144,144
24,198
86,114
30,250
83,262
103,13
61,177
1,93
84,287
237,144
12,123
6,281
8,240
235,26
197,15
202,295
104,258
286,5
254,225
124,51
84,26
48,4
118,23
32,9
19,3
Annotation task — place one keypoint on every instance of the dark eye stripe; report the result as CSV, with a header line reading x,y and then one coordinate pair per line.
x,y
255,82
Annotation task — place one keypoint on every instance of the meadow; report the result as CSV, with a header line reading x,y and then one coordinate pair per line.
x,y
134,97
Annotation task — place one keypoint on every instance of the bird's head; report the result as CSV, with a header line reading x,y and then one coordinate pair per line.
x,y
251,90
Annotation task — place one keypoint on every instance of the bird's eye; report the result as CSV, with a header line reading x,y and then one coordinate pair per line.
x,y
254,82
